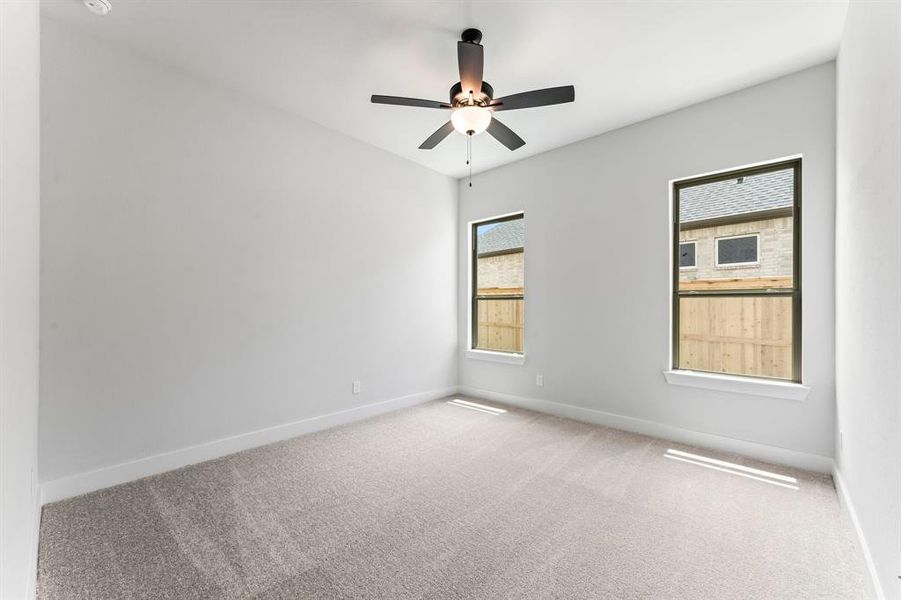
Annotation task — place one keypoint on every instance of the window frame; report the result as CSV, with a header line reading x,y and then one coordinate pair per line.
x,y
474,283
794,292
679,257
716,251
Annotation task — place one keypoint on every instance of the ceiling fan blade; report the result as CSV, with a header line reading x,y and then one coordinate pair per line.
x,y
435,139
504,135
545,97
401,101
471,59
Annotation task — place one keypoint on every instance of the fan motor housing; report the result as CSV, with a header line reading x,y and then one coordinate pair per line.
x,y
458,98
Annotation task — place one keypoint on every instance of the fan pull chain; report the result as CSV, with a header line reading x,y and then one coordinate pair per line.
x,y
469,143
469,155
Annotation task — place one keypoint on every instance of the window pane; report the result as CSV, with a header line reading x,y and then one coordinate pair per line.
x,y
499,260
750,220
730,251
738,335
500,325
686,255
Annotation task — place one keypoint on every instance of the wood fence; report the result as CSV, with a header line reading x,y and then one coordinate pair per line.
x,y
738,335
737,283
501,321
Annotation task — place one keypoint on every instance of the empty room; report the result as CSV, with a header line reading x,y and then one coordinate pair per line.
x,y
450,299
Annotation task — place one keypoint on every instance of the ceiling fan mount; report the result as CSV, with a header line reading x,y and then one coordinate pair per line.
x,y
472,36
471,100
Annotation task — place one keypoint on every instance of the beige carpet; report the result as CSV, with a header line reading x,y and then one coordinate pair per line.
x,y
445,501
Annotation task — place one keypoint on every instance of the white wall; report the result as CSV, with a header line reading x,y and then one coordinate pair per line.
x,y
597,272
19,246
868,280
213,267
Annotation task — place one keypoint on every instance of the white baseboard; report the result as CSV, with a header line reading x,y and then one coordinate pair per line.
x,y
845,500
82,483
772,454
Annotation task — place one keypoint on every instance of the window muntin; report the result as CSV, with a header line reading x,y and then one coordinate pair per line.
x,y
687,255
738,310
737,251
497,307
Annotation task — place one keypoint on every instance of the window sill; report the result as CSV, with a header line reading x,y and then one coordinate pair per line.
x,y
785,390
501,357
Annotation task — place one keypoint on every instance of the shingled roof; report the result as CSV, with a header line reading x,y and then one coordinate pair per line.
x,y
756,193
507,235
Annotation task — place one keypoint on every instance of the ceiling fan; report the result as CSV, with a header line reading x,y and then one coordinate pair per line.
x,y
472,100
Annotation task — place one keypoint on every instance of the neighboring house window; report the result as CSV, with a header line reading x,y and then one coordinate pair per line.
x,y
737,310
737,251
687,255
497,309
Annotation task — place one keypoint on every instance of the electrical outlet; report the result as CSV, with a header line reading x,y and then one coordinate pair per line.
x,y
539,380
356,387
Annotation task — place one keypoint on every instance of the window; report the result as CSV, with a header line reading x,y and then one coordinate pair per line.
x,y
687,255
737,251
497,284
737,309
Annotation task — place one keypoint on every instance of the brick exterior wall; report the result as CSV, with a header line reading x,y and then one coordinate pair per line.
x,y
774,250
504,271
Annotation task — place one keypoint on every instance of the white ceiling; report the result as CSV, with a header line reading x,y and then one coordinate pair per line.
x,y
322,60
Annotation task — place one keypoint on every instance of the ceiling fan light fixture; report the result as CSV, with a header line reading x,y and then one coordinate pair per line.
x,y
475,119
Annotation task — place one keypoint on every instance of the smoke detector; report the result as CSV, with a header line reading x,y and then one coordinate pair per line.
x,y
98,7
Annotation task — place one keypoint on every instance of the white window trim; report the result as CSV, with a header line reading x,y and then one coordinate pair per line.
x,y
695,244
738,384
716,250
511,358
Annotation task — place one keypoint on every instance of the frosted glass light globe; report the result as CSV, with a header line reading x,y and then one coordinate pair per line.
x,y
471,118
